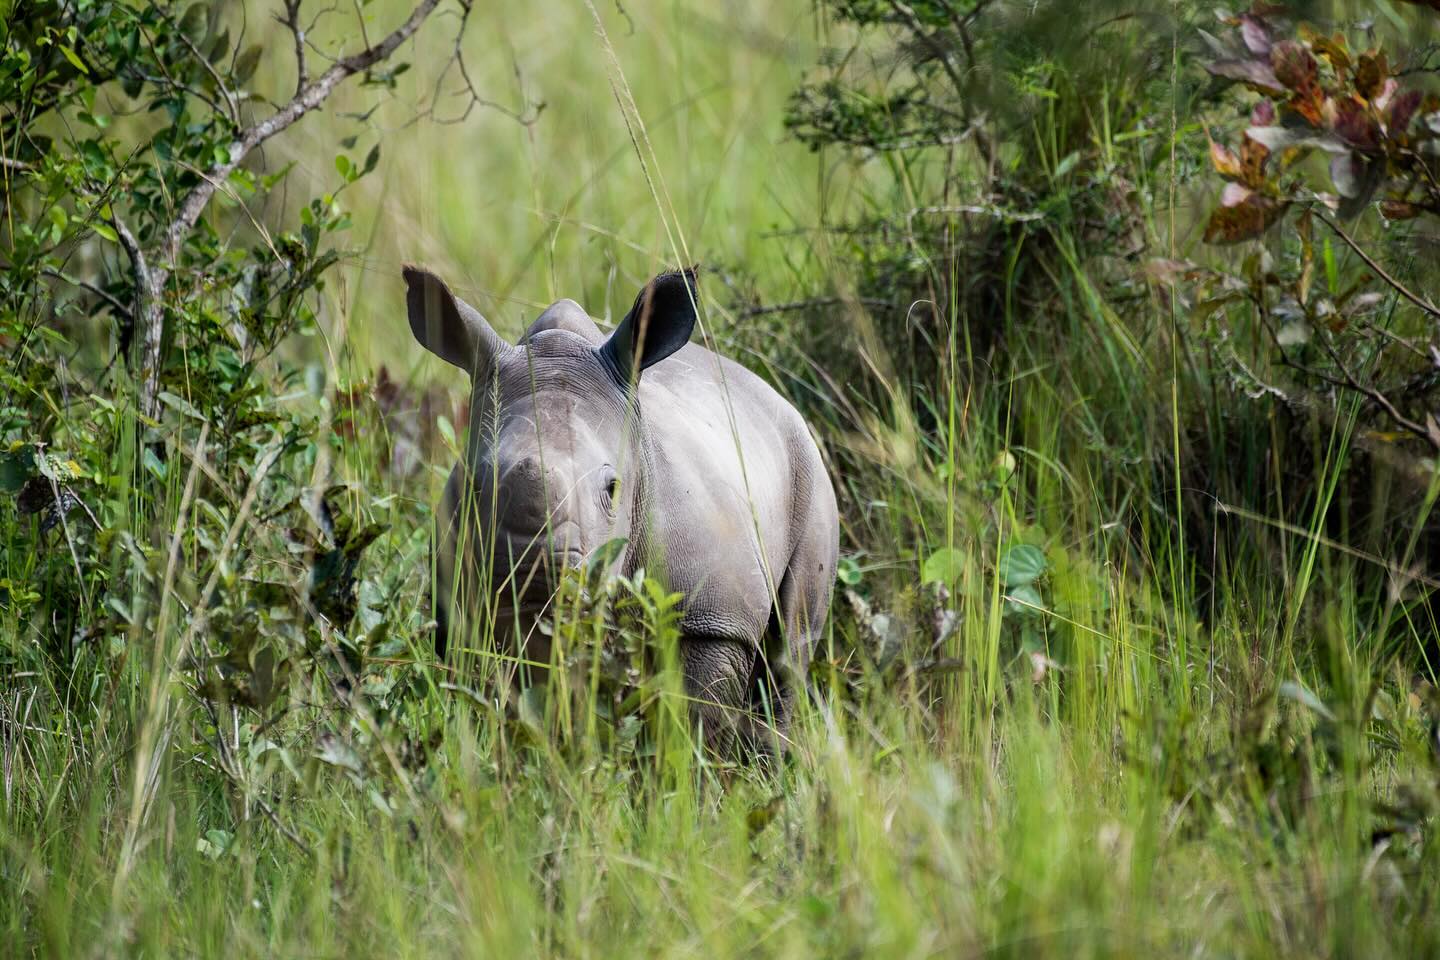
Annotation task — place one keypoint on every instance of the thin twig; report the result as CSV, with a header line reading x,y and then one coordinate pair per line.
x,y
977,210
1348,381
1399,287
1375,396
292,20
526,116
146,317
86,285
794,305
151,278
305,101
174,84
229,98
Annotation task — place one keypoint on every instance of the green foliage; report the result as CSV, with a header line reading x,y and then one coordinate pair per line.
x,y
1363,334
1066,704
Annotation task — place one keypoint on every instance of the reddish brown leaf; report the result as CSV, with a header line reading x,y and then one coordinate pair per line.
x,y
1334,49
1309,106
1371,72
1292,64
1225,162
1245,221
1253,155
1263,115
1255,34
1252,73
1354,125
1297,69
1398,210
1402,110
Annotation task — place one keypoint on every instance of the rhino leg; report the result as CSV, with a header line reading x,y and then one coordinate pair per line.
x,y
794,630
717,673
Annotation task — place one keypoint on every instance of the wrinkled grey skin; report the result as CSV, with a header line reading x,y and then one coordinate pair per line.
x,y
713,479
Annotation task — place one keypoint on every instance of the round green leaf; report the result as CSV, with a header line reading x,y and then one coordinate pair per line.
x,y
1022,564
1024,601
943,566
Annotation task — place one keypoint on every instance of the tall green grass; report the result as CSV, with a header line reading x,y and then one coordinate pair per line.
x,y
1173,753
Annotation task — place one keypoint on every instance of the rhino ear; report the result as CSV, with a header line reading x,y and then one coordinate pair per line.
x,y
446,325
657,326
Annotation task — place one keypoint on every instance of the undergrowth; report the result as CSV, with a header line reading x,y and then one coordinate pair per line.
x,y
1128,657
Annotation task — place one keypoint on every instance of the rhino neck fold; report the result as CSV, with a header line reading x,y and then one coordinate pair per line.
x,y
643,505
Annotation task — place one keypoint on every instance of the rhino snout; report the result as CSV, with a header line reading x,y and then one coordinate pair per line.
x,y
528,494
552,549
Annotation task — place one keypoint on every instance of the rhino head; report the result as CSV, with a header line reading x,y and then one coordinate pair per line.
x,y
555,465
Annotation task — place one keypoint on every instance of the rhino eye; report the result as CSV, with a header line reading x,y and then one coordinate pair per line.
x,y
612,487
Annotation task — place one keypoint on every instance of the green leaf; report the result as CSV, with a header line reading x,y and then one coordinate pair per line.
x,y
153,463
74,59
178,403
1304,696
945,565
342,165
220,47
1024,601
447,430
246,63
372,158
1022,565
337,753
848,571
606,554
214,844
193,23
106,231
15,469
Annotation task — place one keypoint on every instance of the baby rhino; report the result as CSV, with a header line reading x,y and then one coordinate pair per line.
x,y
708,475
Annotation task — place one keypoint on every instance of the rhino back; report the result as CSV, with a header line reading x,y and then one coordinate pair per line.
x,y
730,455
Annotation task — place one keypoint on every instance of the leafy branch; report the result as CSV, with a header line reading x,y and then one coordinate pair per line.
x,y
151,280
1317,94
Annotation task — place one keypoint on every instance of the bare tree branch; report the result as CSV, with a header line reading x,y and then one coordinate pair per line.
x,y
292,20
305,101
150,278
1348,381
1398,287
147,315
525,116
